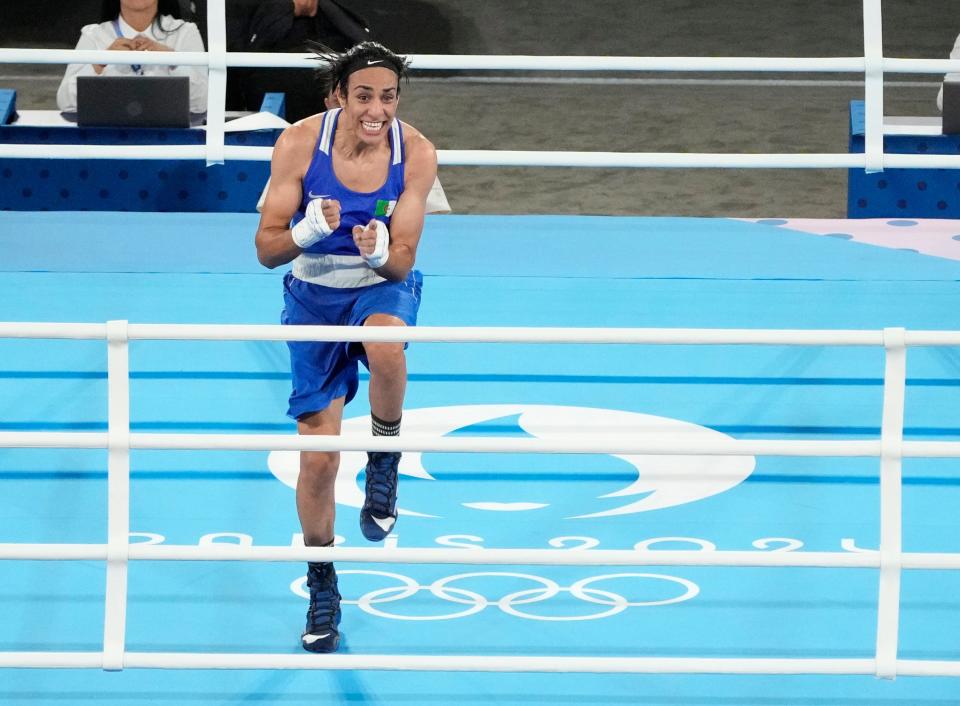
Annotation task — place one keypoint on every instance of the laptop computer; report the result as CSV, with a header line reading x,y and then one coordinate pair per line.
x,y
951,107
133,101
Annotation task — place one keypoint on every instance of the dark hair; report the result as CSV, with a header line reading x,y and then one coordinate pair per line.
x,y
336,67
110,10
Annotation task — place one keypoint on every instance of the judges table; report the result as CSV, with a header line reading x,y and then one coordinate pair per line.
x,y
914,193
131,185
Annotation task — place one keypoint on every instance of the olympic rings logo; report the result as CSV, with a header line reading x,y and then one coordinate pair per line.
x,y
513,603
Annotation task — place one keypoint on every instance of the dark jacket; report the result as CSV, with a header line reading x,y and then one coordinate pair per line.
x,y
270,26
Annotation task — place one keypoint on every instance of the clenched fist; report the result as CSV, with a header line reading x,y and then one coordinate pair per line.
x,y
373,242
320,219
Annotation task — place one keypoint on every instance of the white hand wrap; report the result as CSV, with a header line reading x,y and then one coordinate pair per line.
x,y
313,228
378,258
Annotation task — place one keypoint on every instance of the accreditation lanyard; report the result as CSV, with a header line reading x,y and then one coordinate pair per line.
x,y
137,68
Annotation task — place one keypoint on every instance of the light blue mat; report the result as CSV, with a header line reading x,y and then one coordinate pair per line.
x,y
510,271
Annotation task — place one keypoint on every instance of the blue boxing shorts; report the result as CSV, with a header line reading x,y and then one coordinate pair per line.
x,y
323,371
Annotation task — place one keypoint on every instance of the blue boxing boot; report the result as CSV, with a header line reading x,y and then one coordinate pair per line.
x,y
379,513
323,615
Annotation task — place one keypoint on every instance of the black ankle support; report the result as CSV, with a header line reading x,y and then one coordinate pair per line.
x,y
382,428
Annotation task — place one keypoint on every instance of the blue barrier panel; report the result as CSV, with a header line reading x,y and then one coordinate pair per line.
x,y
129,185
914,193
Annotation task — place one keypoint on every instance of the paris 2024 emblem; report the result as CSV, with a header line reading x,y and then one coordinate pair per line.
x,y
448,483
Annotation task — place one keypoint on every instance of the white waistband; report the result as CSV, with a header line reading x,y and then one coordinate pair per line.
x,y
341,271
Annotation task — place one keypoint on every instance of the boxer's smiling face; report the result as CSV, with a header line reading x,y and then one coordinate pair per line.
x,y
369,102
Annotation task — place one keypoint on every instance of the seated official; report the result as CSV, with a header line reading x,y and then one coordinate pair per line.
x,y
138,25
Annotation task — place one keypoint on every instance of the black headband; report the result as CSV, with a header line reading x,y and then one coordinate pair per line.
x,y
356,63
336,67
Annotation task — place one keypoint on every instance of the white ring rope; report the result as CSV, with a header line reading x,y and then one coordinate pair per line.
x,y
890,448
872,64
479,663
501,62
477,334
432,444
512,158
935,561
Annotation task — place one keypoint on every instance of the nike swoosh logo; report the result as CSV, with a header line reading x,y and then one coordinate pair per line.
x,y
312,195
310,639
378,61
385,524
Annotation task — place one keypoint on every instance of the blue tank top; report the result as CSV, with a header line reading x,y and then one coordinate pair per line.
x,y
356,208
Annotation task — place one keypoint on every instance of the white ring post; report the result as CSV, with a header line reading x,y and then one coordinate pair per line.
x,y
216,80
891,477
873,85
118,494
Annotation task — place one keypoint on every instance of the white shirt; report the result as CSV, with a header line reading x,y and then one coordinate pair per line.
x,y
101,36
955,54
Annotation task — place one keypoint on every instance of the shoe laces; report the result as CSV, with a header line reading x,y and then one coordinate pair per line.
x,y
382,481
324,597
